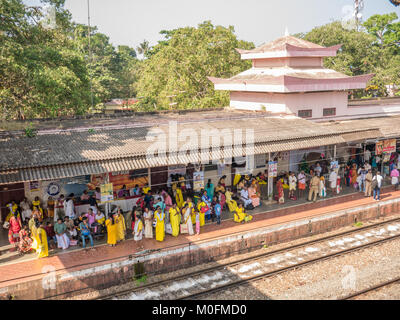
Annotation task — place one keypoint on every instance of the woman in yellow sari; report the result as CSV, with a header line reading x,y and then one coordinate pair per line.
x,y
175,219
121,227
240,216
232,204
202,208
111,231
179,197
43,248
160,228
34,234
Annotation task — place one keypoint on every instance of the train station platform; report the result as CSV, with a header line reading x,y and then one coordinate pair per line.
x,y
96,268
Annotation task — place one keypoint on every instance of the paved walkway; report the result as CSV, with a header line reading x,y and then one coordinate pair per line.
x,y
13,272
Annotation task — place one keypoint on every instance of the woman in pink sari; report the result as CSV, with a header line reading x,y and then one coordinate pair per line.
x,y
254,195
167,200
14,229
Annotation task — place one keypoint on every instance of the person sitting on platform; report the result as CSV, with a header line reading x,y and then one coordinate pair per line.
x,y
71,229
135,191
232,204
219,188
85,232
51,235
85,197
254,195
240,216
244,196
123,192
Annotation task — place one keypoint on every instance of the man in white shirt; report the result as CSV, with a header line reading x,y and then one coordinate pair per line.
x,y
301,178
367,155
333,181
292,185
318,169
377,184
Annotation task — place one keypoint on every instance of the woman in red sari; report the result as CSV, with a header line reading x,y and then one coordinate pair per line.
x,y
14,229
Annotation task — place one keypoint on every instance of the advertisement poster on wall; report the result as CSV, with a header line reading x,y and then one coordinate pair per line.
x,y
198,180
385,146
272,169
107,193
34,186
129,179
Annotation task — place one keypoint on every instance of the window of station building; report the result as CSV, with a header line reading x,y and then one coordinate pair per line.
x,y
329,112
305,113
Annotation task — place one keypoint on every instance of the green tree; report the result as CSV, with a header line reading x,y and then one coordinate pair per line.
x,y
383,27
41,74
361,53
177,68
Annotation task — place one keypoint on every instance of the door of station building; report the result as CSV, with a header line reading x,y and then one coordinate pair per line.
x,y
159,177
10,192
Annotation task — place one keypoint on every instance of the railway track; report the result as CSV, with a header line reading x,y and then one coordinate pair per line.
x,y
371,289
207,281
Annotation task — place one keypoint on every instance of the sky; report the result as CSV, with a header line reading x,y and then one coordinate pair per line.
x,y
129,22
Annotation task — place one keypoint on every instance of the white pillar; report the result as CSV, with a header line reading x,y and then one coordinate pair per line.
x,y
270,180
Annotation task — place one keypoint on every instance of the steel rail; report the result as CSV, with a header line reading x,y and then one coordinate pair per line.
x,y
238,262
288,268
370,289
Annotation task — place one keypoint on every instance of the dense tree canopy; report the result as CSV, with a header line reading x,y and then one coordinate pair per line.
x,y
47,69
376,49
177,68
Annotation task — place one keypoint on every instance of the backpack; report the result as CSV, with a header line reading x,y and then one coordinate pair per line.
x,y
374,183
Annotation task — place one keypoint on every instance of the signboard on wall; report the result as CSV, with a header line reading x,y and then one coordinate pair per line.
x,y
385,146
34,186
198,180
107,193
272,169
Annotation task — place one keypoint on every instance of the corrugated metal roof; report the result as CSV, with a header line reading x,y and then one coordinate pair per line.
x,y
68,154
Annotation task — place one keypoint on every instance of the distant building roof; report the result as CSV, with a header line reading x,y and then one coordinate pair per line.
x,y
121,102
288,46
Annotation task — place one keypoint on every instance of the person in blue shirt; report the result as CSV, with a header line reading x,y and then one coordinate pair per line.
x,y
85,232
217,210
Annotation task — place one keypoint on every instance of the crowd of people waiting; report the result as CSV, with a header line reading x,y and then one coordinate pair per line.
x,y
177,209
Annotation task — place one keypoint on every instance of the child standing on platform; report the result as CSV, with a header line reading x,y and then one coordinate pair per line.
x,y
197,223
